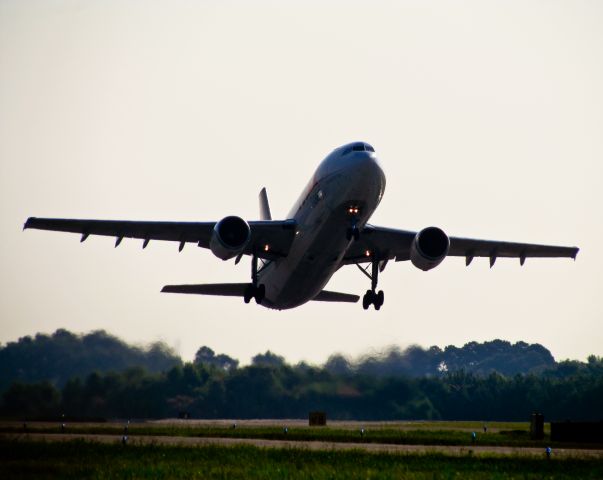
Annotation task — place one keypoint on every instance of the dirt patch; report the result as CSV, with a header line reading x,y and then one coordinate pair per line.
x,y
313,445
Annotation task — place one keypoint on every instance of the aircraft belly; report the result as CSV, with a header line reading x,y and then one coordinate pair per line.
x,y
297,280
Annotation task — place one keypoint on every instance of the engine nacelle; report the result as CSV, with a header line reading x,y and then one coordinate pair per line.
x,y
230,237
429,247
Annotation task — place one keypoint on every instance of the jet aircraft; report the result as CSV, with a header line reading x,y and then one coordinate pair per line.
x,y
293,259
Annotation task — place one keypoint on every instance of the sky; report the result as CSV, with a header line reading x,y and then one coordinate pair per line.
x,y
487,117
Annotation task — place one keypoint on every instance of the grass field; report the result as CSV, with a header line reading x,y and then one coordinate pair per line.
x,y
423,433
79,459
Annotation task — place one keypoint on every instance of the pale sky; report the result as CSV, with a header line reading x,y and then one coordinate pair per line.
x,y
487,118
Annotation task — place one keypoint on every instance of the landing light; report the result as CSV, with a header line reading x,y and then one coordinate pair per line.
x,y
266,248
353,210
368,253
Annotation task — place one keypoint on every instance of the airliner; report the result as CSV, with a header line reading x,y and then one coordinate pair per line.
x,y
293,259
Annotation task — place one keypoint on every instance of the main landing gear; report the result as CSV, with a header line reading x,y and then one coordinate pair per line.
x,y
258,292
372,297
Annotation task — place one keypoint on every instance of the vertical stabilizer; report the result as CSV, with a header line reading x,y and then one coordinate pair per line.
x,y
264,207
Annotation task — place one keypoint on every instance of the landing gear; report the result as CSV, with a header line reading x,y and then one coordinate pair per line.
x,y
352,232
372,297
253,290
256,292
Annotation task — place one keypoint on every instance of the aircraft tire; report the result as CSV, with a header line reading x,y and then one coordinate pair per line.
x,y
249,294
260,293
367,299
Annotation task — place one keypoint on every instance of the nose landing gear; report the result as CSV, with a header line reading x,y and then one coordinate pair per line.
x,y
372,297
353,231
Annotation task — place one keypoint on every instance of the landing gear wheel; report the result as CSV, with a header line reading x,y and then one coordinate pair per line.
x,y
367,300
260,293
379,299
249,294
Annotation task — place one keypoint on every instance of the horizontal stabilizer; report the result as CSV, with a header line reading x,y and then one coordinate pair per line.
x,y
222,289
326,296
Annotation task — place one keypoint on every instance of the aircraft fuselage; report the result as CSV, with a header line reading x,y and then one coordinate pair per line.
x,y
343,193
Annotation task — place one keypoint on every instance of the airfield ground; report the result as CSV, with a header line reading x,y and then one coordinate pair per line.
x,y
288,449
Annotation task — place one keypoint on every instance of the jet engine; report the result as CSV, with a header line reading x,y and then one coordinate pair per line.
x,y
230,237
429,247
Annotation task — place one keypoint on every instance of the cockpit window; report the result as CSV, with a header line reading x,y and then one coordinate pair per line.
x,y
358,147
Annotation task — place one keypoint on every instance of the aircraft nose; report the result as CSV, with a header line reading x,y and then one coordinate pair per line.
x,y
367,164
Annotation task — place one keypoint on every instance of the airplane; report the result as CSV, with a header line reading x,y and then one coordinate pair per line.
x,y
293,259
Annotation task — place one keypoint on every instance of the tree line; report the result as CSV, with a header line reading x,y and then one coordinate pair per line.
x,y
452,384
64,355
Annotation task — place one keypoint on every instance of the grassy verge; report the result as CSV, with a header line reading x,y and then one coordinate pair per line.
x,y
79,459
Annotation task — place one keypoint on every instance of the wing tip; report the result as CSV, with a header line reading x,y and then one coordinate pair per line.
x,y
28,223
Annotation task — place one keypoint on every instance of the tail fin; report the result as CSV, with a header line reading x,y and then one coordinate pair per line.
x,y
264,207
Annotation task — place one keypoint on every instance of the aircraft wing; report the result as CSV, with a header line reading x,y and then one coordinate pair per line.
x,y
393,244
278,234
470,248
388,243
